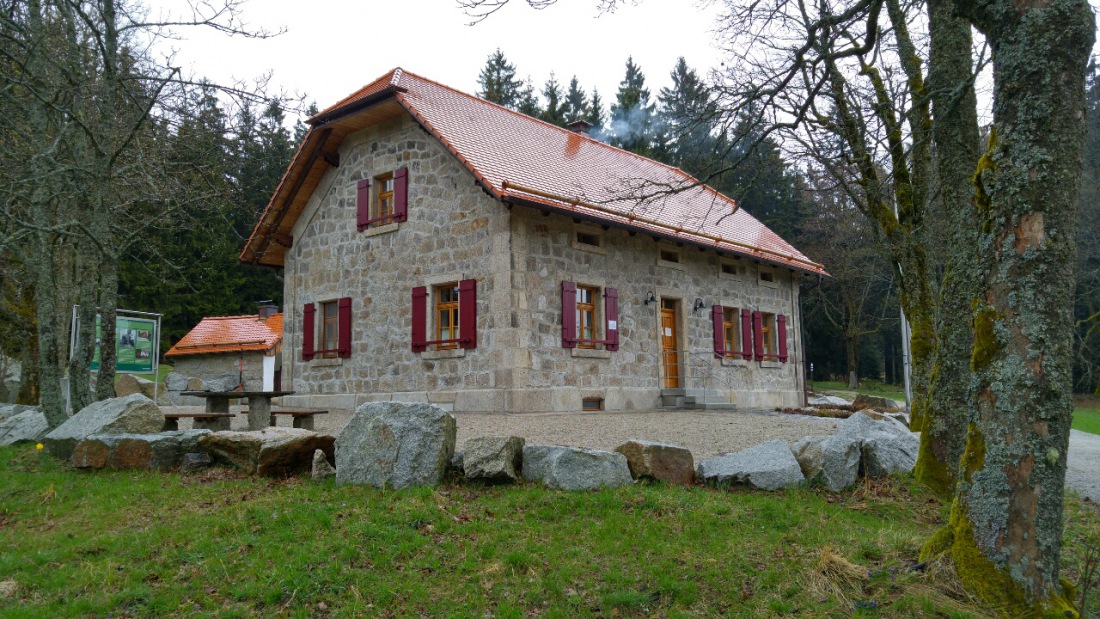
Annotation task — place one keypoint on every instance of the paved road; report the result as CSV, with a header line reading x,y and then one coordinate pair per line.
x,y
1083,468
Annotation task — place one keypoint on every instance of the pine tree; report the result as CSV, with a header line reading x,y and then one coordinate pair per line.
x,y
576,102
300,128
595,115
687,113
527,102
632,115
498,82
555,111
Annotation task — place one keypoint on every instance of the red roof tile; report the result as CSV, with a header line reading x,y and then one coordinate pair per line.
x,y
519,158
220,334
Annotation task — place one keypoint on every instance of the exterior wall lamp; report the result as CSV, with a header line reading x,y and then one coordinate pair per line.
x,y
649,298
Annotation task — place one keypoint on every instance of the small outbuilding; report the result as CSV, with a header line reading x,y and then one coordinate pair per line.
x,y
247,347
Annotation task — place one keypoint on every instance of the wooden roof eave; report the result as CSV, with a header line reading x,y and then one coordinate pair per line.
x,y
268,229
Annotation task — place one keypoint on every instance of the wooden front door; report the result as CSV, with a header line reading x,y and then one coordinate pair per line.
x,y
669,354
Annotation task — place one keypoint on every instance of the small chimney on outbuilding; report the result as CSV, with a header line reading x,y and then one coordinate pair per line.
x,y
267,309
579,126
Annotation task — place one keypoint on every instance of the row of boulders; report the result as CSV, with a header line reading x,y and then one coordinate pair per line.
x,y
398,445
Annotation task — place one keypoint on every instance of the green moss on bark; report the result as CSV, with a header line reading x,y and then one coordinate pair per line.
x,y
985,338
933,473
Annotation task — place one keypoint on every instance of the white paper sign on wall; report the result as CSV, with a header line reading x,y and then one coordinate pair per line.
x,y
668,332
613,325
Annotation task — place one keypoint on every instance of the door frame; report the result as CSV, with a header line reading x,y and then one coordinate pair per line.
x,y
681,335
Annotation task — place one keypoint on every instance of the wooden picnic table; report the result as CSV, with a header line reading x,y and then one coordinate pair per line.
x,y
259,404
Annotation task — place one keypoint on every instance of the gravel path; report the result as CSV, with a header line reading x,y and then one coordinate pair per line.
x,y
1083,465
705,433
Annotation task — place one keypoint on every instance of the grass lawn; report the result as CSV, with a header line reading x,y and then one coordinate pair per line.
x,y
1086,419
866,387
145,544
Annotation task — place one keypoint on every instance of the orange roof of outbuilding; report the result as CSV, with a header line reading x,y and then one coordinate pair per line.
x,y
221,334
523,160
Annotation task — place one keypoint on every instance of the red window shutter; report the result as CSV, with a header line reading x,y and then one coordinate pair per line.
x,y
307,332
467,313
401,194
568,315
746,334
758,334
419,318
362,204
781,326
611,313
343,335
718,320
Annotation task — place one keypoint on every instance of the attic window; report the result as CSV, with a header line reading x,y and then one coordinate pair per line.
x,y
592,404
767,278
588,238
669,255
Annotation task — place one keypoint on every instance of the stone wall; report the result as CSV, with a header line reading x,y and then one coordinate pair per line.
x,y
209,366
456,231
557,378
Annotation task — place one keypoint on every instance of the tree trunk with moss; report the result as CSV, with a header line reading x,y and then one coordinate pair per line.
x,y
1005,534
955,131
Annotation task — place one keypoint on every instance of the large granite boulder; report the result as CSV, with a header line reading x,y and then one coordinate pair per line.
x,y
875,402
667,463
128,384
29,425
272,452
161,451
831,461
395,444
886,445
767,466
568,468
11,410
827,400
133,414
493,459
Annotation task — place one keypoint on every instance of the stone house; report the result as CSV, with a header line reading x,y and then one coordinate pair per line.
x,y
241,350
439,248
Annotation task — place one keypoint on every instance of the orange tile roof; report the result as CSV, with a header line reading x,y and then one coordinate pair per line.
x,y
520,159
218,334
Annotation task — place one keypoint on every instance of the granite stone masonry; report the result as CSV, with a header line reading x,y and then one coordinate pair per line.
x,y
519,260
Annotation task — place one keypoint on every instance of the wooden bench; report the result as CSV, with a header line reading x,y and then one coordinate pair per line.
x,y
204,421
301,417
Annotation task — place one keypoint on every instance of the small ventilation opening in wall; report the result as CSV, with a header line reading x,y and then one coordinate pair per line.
x,y
587,238
670,256
730,269
592,404
767,276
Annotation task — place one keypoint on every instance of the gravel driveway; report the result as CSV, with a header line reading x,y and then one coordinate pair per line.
x,y
705,433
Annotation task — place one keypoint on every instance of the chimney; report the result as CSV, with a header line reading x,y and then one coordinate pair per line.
x,y
267,309
579,126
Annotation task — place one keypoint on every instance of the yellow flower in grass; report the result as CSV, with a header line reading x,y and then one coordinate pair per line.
x,y
39,446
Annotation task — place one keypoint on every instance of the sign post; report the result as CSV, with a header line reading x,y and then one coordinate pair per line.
x,y
137,343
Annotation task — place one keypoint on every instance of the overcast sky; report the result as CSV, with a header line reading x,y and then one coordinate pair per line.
x,y
333,47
